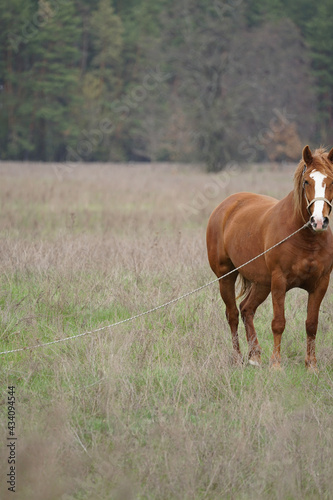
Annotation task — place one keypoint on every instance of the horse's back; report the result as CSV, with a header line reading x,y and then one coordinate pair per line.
x,y
237,211
235,225
238,203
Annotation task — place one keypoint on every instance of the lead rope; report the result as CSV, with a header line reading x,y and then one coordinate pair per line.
x,y
132,318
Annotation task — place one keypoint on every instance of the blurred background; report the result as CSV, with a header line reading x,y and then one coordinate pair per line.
x,y
205,81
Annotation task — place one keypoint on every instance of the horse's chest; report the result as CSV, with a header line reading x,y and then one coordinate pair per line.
x,y
309,268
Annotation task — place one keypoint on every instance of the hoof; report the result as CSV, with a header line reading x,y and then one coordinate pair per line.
x,y
237,359
312,369
255,360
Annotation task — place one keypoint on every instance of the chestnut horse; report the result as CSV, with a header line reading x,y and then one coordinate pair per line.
x,y
244,225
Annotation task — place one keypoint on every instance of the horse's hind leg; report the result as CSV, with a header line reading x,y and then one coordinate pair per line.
x,y
257,295
227,290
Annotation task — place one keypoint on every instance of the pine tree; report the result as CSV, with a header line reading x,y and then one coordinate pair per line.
x,y
102,80
320,39
16,31
54,80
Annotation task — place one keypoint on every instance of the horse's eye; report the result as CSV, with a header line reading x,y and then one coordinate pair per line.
x,y
306,183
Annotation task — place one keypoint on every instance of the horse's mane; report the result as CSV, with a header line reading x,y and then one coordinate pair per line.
x,y
319,162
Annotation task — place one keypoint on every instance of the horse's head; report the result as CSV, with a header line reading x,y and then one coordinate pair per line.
x,y
315,184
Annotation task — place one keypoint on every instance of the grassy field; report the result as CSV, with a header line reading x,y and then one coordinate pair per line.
x,y
151,409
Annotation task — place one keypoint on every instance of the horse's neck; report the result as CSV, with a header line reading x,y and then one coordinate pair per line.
x,y
289,212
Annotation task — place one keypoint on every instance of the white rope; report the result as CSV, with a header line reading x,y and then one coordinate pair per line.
x,y
132,318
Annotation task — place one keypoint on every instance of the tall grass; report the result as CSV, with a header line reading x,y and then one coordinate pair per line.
x,y
152,409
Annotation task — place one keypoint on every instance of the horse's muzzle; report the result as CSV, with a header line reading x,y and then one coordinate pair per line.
x,y
319,225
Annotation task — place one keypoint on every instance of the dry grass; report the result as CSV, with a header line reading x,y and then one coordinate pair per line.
x,y
152,409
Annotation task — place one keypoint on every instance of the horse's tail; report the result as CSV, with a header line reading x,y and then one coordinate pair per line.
x,y
244,286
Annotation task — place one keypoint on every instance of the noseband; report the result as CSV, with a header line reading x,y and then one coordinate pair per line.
x,y
320,198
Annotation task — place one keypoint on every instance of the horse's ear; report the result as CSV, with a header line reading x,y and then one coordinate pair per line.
x,y
330,156
307,155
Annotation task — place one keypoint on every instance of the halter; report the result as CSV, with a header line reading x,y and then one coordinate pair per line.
x,y
319,198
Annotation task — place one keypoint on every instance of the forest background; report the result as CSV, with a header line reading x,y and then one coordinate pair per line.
x,y
164,80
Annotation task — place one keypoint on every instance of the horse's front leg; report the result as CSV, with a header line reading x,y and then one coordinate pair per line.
x,y
278,290
311,323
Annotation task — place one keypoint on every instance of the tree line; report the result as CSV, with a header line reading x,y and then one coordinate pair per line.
x,y
164,80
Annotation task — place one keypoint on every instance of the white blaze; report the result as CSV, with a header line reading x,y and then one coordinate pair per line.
x,y
318,178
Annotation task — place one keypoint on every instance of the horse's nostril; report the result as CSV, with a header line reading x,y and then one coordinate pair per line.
x,y
312,220
326,221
